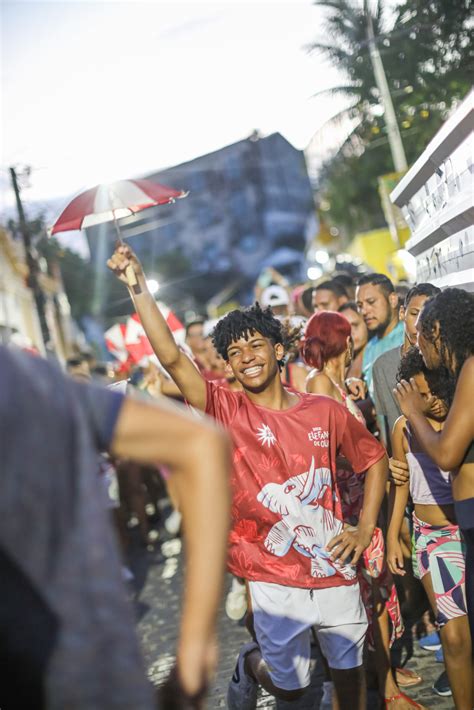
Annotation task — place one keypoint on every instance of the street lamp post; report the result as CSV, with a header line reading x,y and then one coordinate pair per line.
x,y
33,268
393,132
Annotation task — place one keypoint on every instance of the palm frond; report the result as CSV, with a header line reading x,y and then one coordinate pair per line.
x,y
349,89
340,116
329,49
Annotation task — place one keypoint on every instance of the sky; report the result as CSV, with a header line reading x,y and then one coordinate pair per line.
x,y
98,91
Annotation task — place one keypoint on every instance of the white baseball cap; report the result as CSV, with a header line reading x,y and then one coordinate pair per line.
x,y
275,296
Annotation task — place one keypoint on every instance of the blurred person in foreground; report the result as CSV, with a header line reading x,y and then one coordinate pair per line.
x,y
377,302
78,367
67,637
446,340
287,538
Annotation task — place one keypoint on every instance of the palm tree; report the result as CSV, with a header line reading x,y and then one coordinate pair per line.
x,y
426,56
426,52
346,47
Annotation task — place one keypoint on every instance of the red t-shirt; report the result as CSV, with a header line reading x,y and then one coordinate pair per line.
x,y
286,505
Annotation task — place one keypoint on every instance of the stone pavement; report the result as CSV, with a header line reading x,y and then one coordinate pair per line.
x,y
158,583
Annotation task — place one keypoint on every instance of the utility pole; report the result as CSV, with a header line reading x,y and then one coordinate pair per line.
x,y
393,132
33,268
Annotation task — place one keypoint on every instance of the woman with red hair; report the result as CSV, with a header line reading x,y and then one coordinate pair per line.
x,y
327,348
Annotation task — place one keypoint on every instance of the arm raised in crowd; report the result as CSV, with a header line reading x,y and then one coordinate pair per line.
x,y
199,457
448,447
175,362
398,499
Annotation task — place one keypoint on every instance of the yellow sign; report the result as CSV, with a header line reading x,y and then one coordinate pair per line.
x,y
377,249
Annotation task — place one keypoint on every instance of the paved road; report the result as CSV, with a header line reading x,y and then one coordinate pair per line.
x,y
158,583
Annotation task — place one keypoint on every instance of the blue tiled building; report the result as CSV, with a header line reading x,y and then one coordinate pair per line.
x,y
249,204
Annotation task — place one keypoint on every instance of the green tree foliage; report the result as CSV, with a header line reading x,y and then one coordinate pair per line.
x,y
173,264
94,290
76,272
427,56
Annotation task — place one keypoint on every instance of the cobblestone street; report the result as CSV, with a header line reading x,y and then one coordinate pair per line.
x,y
158,582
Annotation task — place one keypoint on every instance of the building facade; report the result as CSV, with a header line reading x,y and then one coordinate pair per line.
x,y
436,197
19,320
248,206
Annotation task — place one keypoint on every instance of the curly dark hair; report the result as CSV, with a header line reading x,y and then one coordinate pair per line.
x,y
291,335
453,310
242,323
439,381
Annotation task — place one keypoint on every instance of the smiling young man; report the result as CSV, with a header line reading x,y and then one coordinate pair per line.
x,y
287,537
378,304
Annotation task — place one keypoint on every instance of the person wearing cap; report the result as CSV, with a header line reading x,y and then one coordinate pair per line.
x,y
277,298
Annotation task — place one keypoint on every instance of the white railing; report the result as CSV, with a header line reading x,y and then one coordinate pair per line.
x,y
436,197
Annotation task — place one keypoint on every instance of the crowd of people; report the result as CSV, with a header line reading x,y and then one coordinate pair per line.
x,y
342,462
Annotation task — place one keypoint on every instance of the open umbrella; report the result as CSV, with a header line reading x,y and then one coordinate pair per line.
x,y
111,202
107,203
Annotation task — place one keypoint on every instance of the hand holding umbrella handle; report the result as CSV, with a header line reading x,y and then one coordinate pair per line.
x,y
125,265
131,277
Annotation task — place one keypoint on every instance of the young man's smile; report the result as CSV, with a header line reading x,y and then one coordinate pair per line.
x,y
253,371
253,361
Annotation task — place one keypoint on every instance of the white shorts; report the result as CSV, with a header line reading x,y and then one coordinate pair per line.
x,y
283,617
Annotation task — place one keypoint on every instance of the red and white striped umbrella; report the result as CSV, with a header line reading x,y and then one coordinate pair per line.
x,y
107,203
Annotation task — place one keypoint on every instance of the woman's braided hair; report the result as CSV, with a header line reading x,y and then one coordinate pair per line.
x,y
453,309
244,323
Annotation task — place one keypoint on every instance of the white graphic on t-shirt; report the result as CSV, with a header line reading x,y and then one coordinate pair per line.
x,y
305,523
319,437
265,435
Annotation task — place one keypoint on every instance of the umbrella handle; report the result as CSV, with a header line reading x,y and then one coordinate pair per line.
x,y
131,276
129,272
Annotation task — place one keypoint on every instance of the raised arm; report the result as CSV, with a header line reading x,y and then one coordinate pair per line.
x,y
448,447
198,455
176,363
398,501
